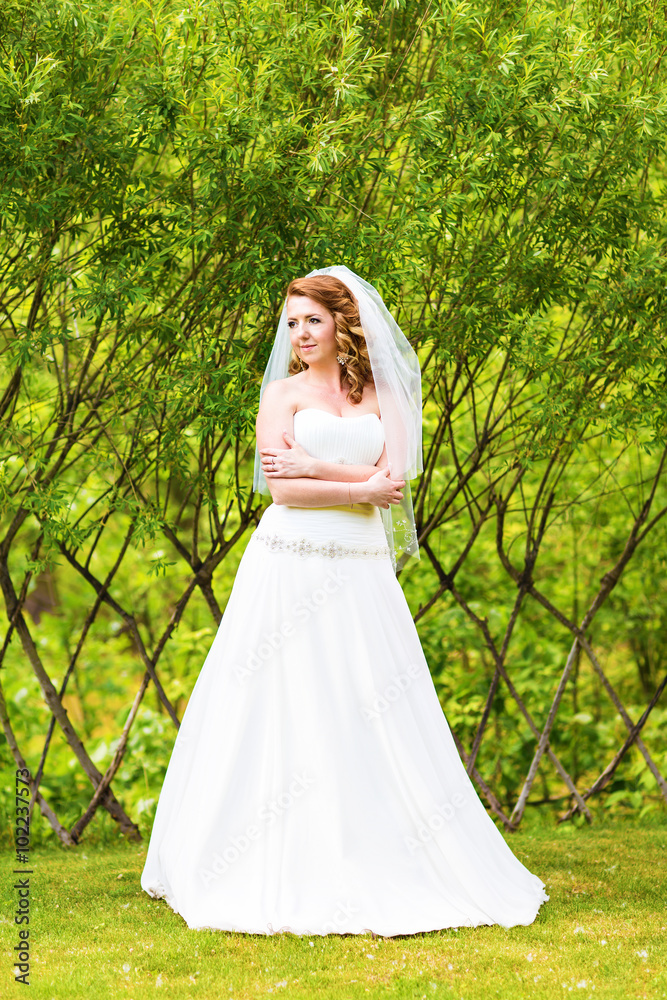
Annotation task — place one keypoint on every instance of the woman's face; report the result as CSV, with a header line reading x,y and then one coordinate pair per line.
x,y
312,330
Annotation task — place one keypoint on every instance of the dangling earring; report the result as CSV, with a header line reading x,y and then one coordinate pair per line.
x,y
303,367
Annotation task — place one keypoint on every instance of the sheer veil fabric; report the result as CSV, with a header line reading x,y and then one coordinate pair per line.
x,y
397,381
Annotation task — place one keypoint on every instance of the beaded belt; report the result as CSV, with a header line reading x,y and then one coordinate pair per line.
x,y
331,549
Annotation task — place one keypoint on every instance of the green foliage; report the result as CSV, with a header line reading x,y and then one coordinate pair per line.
x,y
498,171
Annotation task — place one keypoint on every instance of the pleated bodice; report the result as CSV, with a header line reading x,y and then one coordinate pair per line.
x,y
355,530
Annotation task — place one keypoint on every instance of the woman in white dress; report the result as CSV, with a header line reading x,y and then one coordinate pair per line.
x,y
314,786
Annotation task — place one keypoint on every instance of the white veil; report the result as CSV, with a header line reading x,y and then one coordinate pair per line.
x,y
398,385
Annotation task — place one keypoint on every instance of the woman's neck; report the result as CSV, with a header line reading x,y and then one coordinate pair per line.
x,y
324,377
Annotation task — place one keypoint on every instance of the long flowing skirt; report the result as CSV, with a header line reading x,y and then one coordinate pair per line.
x,y
314,785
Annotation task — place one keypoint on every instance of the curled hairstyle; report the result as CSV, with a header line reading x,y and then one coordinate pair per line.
x,y
335,296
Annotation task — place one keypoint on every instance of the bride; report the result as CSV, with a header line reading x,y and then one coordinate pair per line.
x,y
314,786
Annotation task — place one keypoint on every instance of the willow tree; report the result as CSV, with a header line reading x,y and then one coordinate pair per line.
x,y
498,171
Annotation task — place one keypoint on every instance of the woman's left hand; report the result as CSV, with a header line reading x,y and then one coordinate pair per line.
x,y
292,462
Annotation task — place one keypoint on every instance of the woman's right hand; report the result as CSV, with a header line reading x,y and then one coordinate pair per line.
x,y
382,491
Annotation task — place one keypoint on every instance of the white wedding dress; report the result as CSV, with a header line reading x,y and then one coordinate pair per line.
x,y
314,786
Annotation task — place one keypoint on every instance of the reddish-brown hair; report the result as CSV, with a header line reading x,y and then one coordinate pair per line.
x,y
337,298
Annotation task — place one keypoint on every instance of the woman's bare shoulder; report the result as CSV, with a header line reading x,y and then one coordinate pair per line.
x,y
370,396
281,390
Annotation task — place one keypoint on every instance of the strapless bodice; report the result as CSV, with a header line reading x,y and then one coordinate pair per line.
x,y
356,530
346,440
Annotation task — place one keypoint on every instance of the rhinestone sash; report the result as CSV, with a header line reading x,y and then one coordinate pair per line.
x,y
331,548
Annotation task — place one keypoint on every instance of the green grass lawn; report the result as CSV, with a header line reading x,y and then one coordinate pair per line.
x,y
603,934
